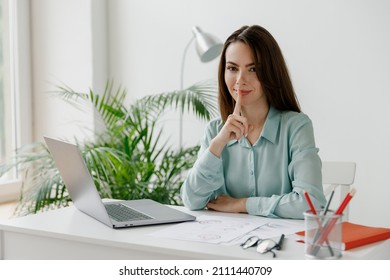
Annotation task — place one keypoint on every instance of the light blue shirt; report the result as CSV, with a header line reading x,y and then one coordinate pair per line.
x,y
272,173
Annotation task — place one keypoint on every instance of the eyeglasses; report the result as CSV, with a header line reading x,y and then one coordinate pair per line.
x,y
263,245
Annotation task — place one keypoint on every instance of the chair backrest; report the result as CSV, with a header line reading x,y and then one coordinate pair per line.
x,y
339,176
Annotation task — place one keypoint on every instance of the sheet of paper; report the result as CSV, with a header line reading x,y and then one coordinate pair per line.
x,y
209,229
229,231
272,228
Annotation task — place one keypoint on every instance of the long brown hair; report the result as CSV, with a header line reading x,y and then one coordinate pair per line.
x,y
271,70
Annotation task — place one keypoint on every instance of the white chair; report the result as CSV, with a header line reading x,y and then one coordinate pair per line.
x,y
339,176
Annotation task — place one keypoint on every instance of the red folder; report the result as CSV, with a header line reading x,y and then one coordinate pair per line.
x,y
355,235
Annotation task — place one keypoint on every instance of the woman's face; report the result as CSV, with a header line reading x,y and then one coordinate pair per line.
x,y
240,75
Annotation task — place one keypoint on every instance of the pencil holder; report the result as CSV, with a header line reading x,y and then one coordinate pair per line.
x,y
323,235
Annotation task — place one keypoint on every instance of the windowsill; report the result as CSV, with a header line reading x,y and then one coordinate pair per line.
x,y
7,209
10,190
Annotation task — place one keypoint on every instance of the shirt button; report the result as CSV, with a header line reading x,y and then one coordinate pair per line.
x,y
251,172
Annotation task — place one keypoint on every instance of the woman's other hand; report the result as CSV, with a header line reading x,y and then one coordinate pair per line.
x,y
225,203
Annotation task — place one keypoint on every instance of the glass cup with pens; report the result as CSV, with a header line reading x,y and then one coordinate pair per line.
x,y
323,229
321,240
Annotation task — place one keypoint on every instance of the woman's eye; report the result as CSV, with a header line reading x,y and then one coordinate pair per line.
x,y
231,68
252,69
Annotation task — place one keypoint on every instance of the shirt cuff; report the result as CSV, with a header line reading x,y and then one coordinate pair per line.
x,y
261,206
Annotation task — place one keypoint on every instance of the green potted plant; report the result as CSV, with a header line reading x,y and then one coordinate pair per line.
x,y
128,160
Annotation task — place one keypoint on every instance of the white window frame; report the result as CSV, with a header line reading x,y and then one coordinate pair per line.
x,y
17,86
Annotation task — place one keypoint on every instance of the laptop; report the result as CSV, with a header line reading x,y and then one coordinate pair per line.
x,y
86,198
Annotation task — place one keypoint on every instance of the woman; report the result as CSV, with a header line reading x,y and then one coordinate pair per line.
x,y
260,156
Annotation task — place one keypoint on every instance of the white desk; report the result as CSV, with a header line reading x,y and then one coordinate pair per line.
x,y
69,234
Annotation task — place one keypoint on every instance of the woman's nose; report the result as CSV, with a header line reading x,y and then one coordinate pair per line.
x,y
240,79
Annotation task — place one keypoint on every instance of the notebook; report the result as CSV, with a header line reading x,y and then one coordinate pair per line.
x,y
86,198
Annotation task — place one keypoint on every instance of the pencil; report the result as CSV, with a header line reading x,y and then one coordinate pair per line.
x,y
345,202
312,209
328,202
318,233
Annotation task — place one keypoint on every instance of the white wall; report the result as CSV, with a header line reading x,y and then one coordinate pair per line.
x,y
337,52
61,55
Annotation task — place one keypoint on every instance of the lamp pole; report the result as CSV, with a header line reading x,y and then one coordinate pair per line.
x,y
181,88
208,47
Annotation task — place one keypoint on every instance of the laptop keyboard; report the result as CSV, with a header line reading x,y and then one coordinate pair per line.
x,y
122,213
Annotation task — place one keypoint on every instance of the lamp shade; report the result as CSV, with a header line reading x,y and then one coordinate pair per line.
x,y
207,46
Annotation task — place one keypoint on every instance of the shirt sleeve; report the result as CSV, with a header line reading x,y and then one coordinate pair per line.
x,y
205,180
304,171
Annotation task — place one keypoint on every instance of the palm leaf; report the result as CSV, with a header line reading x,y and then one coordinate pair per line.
x,y
128,159
200,98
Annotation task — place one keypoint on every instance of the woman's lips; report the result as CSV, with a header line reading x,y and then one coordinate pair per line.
x,y
242,92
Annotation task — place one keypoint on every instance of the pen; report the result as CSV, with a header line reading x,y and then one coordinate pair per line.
x,y
280,243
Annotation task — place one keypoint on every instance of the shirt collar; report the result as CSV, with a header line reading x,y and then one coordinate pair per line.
x,y
271,126
270,129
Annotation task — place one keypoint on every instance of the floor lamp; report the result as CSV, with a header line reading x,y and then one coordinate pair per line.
x,y
208,47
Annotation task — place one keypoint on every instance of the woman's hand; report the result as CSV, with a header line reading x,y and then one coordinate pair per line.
x,y
225,203
235,127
